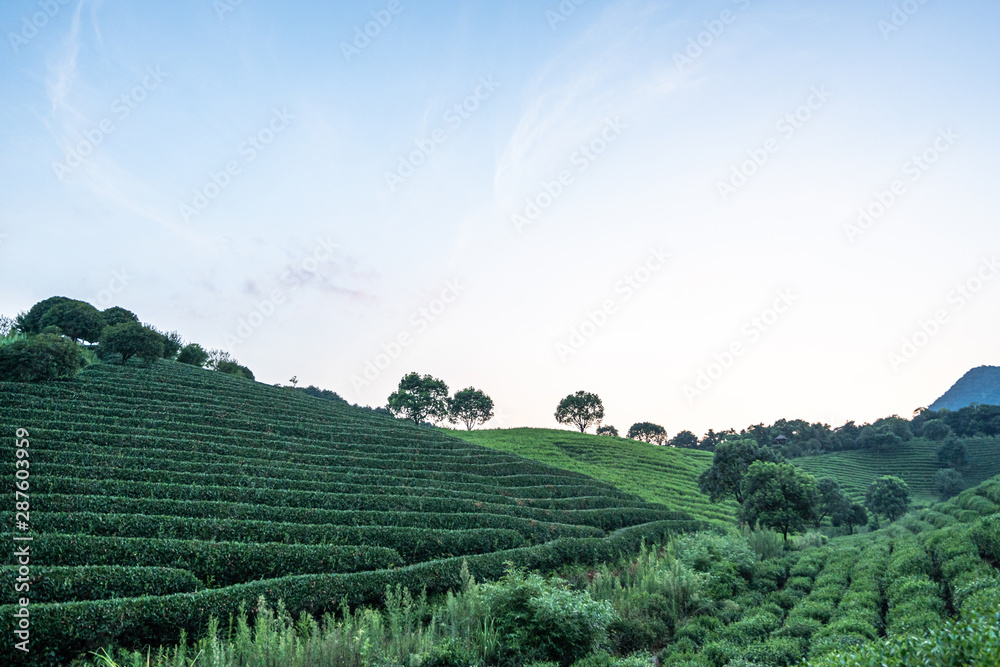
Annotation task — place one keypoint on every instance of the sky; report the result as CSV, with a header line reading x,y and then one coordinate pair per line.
x,y
711,214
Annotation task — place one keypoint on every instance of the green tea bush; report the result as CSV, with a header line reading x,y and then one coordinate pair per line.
x,y
963,643
540,619
67,584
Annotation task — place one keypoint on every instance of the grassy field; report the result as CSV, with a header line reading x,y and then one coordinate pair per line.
x,y
657,474
206,491
914,461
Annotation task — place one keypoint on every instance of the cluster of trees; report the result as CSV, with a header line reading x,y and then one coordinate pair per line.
x,y
424,399
774,493
49,341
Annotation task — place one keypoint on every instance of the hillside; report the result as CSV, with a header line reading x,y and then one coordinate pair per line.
x,y
914,461
657,474
980,385
208,490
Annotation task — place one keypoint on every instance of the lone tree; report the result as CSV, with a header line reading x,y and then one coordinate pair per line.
x,y
888,495
607,429
131,340
648,432
729,465
235,369
76,319
850,515
581,409
779,496
831,499
470,407
419,398
684,439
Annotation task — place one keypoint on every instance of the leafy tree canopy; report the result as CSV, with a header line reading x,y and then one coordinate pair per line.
x,y
850,515
648,432
419,398
581,409
607,429
948,482
193,354
731,461
471,407
31,321
953,453
117,315
77,320
889,496
131,340
684,439
780,496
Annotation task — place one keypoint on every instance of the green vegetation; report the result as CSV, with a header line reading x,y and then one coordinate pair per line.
x,y
656,474
915,462
244,490
581,409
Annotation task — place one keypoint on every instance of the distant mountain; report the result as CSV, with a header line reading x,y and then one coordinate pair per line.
x,y
980,385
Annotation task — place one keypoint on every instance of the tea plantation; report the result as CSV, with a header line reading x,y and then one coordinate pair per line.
x,y
163,496
914,461
665,475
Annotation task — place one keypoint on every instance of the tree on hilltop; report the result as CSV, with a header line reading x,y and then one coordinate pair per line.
x,y
581,409
648,432
471,407
76,319
685,439
419,398
607,429
194,355
117,315
131,339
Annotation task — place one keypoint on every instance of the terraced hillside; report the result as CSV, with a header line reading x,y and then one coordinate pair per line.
x,y
205,491
914,461
658,474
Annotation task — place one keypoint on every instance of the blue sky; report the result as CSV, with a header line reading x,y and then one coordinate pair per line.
x,y
658,202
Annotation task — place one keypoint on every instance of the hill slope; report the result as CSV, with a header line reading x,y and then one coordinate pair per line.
x,y
914,461
182,479
980,385
657,474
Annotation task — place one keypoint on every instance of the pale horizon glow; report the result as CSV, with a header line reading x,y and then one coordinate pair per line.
x,y
521,201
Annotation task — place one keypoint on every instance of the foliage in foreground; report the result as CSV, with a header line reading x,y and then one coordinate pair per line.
x,y
956,644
